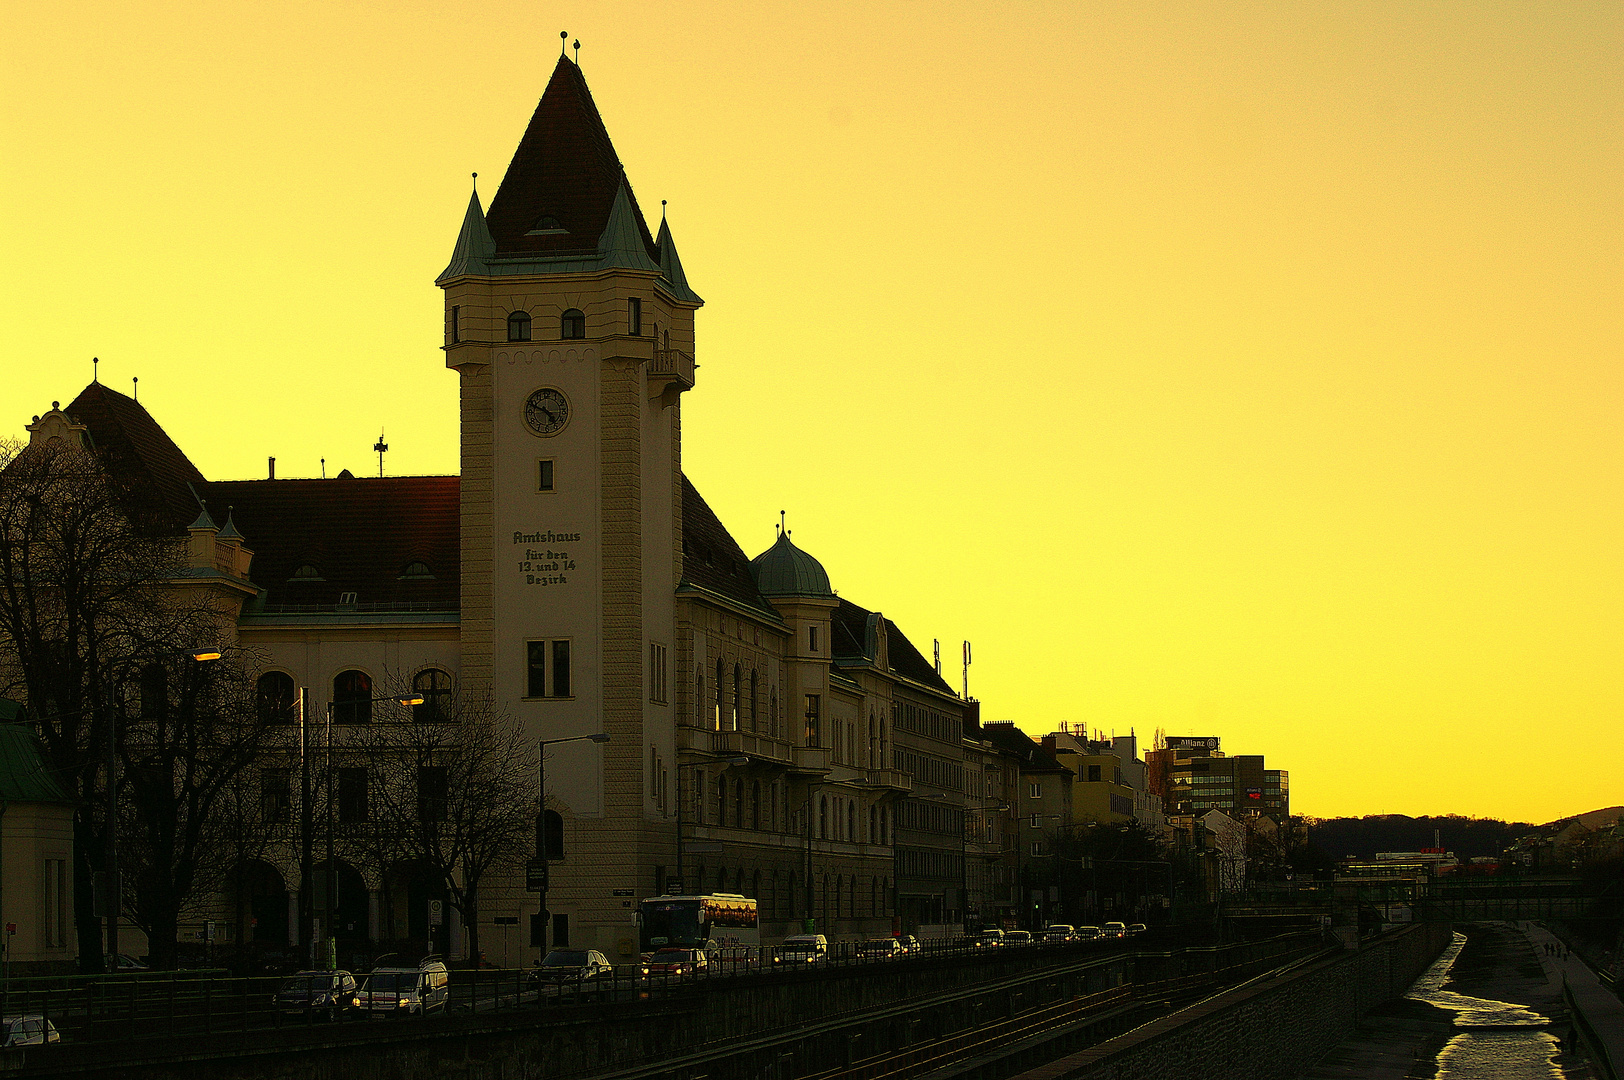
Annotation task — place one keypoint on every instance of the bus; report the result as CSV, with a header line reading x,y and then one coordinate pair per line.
x,y
723,923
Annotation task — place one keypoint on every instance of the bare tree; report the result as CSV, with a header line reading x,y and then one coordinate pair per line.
x,y
455,791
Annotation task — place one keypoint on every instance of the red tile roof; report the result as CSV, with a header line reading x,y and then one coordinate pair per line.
x,y
359,534
565,168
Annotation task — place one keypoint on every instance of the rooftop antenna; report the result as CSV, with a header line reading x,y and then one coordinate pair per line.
x,y
937,642
380,447
324,468
135,387
94,369
966,671
563,37
577,47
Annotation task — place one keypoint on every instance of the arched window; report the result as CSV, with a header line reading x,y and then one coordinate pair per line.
x,y
738,803
699,698
851,822
417,570
306,572
873,824
883,825
434,687
755,888
721,693
755,804
519,326
754,697
738,694
572,325
721,879
275,695
823,817
552,833
352,698
721,800
772,712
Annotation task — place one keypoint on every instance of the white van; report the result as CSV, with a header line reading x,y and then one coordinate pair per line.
x,y
802,949
396,989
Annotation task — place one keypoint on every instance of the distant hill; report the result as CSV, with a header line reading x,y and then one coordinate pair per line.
x,y
1594,819
1363,837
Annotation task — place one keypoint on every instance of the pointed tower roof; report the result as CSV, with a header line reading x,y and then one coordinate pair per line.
x,y
621,243
561,186
474,244
671,275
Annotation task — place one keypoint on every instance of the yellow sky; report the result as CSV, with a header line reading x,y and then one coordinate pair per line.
x,y
1236,369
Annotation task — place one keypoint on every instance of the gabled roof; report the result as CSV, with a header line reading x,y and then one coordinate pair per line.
x,y
712,559
157,479
360,534
854,632
1012,740
566,169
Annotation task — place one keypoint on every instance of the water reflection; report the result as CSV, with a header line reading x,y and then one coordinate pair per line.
x,y
1499,1053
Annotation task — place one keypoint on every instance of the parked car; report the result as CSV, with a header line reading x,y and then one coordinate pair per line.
x,y
1059,932
396,988
327,993
668,963
802,949
1114,929
1087,933
1017,937
122,963
28,1029
880,949
988,939
573,967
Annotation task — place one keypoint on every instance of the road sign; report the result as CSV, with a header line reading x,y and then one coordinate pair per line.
x,y
535,875
436,912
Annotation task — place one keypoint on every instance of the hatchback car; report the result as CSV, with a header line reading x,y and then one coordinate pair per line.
x,y
328,994
28,1029
573,966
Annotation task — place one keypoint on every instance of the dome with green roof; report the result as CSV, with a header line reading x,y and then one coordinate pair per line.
x,y
786,570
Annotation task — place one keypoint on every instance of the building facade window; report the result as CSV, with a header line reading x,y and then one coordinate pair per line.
x,y
755,694
276,698
548,664
812,639
657,676
544,475
519,326
1033,791
352,698
276,795
352,795
434,687
634,316
572,325
456,319
54,903
721,693
433,793
552,833
738,694
814,718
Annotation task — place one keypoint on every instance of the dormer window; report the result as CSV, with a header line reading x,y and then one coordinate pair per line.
x,y
417,571
519,326
547,225
572,325
306,572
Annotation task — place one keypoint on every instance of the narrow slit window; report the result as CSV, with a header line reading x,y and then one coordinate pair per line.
x,y
634,316
456,312
544,474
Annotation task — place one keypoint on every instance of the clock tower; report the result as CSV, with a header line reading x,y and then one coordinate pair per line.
x,y
571,329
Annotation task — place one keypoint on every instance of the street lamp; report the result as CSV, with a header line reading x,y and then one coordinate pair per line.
x,y
330,875
115,893
739,759
538,873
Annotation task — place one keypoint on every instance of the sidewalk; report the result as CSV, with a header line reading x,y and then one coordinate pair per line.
x,y
1601,1008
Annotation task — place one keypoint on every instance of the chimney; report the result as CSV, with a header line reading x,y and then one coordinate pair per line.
x,y
273,469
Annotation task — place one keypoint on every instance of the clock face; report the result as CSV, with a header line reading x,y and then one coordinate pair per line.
x,y
546,411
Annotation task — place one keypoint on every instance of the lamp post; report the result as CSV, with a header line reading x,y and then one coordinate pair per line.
x,y
739,759
115,893
538,871
330,875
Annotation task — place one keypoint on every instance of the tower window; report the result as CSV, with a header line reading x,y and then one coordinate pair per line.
x,y
634,316
572,325
519,326
456,312
549,669
544,474
812,639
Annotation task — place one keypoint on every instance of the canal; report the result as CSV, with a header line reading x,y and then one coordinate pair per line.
x,y
1483,1011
